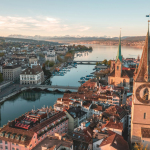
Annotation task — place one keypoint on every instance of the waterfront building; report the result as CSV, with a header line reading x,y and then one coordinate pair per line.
x,y
51,55
32,75
140,120
25,132
119,76
11,72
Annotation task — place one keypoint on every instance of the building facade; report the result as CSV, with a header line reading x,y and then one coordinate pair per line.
x,y
118,76
30,129
32,75
51,55
11,73
32,59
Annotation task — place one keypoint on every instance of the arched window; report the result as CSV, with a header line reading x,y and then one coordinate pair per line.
x,y
124,82
145,94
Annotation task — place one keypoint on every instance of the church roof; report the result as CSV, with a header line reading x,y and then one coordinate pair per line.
x,y
143,72
119,56
124,74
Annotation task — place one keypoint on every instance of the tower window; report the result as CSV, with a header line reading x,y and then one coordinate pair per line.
x,y
117,67
144,115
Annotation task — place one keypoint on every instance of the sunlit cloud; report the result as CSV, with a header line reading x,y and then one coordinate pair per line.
x,y
39,23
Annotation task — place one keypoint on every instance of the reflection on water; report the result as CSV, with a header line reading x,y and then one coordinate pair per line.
x,y
31,96
22,103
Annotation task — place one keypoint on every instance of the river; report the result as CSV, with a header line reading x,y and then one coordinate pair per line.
x,y
29,100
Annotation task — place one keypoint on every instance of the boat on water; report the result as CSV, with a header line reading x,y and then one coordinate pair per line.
x,y
87,78
82,81
82,78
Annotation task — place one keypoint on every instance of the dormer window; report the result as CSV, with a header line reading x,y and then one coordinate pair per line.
x,y
23,138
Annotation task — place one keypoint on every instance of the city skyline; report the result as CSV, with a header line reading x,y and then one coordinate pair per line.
x,y
83,18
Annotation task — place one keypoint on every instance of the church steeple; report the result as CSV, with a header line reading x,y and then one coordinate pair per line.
x,y
143,73
119,50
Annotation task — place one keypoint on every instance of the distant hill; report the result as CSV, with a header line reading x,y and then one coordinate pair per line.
x,y
71,39
135,38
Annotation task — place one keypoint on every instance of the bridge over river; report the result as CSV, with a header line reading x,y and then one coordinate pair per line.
x,y
53,87
92,62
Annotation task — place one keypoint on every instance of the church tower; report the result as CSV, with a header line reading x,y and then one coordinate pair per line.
x,y
140,114
118,63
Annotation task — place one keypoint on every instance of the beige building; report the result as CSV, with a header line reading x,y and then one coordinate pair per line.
x,y
118,76
140,114
11,73
76,116
32,59
32,75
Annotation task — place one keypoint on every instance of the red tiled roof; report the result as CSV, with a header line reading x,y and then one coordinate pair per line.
x,y
116,141
48,121
114,125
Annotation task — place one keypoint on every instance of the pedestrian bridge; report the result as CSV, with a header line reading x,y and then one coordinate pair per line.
x,y
53,87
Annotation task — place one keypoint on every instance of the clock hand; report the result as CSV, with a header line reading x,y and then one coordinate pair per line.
x,y
144,97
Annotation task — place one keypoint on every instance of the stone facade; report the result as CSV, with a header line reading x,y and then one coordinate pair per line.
x,y
51,56
32,59
11,73
33,75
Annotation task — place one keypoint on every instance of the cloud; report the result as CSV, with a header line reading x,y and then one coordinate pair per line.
x,y
83,28
38,23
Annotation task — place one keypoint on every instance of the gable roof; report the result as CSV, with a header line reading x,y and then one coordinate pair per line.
x,y
32,71
116,141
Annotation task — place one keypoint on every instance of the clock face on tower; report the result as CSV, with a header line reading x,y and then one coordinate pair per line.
x,y
143,97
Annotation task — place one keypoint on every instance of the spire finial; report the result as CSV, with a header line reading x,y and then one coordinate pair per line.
x,y
119,56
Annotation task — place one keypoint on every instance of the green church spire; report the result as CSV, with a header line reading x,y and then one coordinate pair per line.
x,y
119,50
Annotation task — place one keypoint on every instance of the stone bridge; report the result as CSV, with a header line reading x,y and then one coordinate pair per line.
x,y
53,87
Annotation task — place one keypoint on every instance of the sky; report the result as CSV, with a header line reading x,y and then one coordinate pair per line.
x,y
74,17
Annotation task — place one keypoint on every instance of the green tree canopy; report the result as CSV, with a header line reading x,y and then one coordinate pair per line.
x,y
109,63
49,63
104,61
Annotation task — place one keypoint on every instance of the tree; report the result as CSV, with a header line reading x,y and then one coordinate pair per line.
x,y
139,146
1,77
109,62
59,59
49,63
104,61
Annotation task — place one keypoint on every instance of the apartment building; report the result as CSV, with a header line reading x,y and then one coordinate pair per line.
x,y
25,132
11,73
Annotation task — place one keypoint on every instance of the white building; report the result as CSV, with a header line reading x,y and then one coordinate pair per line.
x,y
32,75
61,50
51,55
